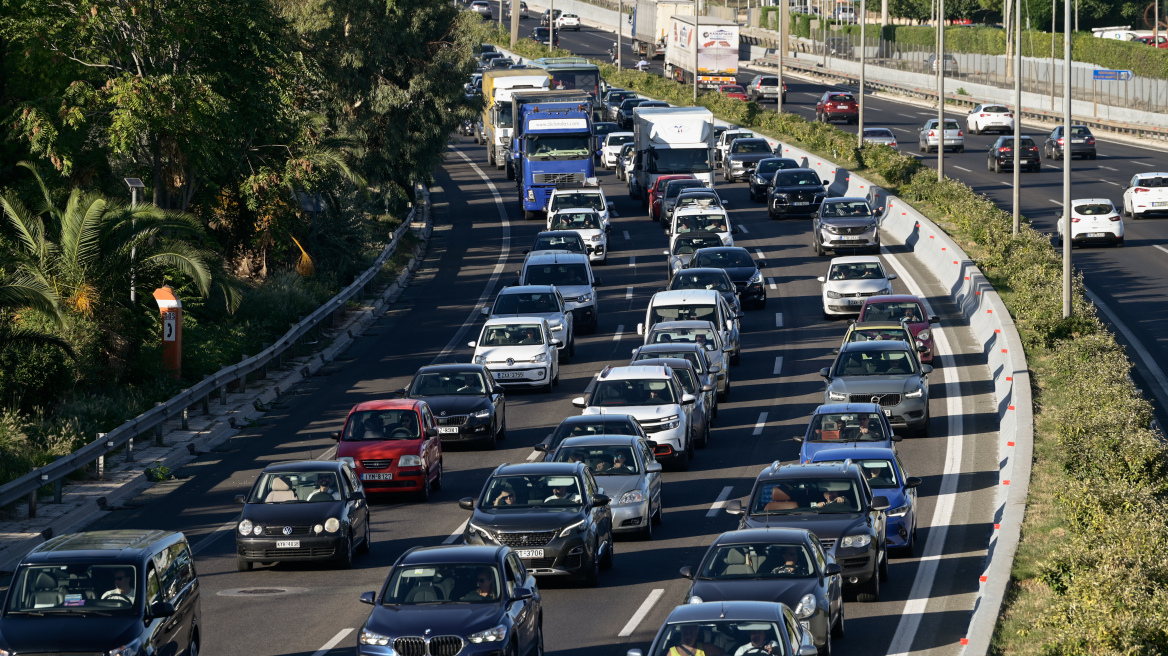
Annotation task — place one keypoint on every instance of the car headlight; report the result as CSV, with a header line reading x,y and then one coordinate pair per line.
x,y
756,279
899,511
924,334
531,194
584,298
884,292
831,294
836,396
481,414
409,461
318,529
257,530
632,496
694,600
916,394
578,526
349,461
480,359
540,357
806,607
479,531
245,527
129,649
332,525
830,228
671,422
497,634
856,541
370,638
597,237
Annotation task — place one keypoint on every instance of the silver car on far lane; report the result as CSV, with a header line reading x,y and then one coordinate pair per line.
x,y
626,471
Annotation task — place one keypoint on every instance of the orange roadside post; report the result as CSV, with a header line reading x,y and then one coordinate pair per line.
x,y
171,308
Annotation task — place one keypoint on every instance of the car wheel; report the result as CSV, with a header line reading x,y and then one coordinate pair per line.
x,y
825,650
193,648
367,542
973,129
819,247
910,548
997,166
884,567
961,149
870,593
1093,155
1119,243
243,565
705,437
345,561
424,493
592,579
437,484
606,562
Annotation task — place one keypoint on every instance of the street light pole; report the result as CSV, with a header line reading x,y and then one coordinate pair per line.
x,y
1066,159
552,24
1017,117
784,16
863,58
134,184
620,32
696,36
940,61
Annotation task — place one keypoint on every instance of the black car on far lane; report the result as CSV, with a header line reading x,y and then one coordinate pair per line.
x,y
443,601
624,114
743,156
542,34
590,426
306,510
744,272
1001,155
782,565
552,513
557,240
764,176
467,404
796,192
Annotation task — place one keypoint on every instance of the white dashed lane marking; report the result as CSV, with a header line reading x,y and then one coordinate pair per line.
x,y
720,502
762,419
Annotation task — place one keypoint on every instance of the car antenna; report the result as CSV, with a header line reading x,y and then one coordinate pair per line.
x,y
723,611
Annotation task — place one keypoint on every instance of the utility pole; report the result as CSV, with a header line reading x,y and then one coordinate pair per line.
x,y
1066,159
863,59
1017,118
940,91
697,34
883,16
620,32
134,184
514,23
1053,16
552,24
784,15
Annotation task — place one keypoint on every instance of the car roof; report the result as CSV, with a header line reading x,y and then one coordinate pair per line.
x,y
745,139
452,368
855,259
803,470
635,372
690,211
881,345
670,346
619,134
559,233
1091,200
556,257
455,553
592,419
831,408
677,363
527,289
706,269
600,440
123,545
313,465
727,611
497,321
842,199
763,535
539,469
385,404
721,249
684,296
894,298
691,323
887,323
858,453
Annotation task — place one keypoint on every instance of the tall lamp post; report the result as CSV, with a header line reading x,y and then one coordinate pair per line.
x,y
1067,159
620,32
863,59
552,25
134,184
940,62
1017,116
784,16
697,34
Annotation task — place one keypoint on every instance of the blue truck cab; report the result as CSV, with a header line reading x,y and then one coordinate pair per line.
x,y
552,144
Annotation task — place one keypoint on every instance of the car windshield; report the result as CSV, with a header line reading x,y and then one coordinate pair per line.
x,y
760,560
701,280
733,89
1094,209
564,274
602,129
879,473
702,223
679,160
736,637
812,495
856,271
584,80
512,334
76,588
559,243
950,124
797,179
846,427
875,363
532,491
995,109
840,97
689,355
561,146
722,259
652,391
591,428
845,209
299,487
519,303
1080,131
576,220
749,146
675,186
697,200
461,383
617,97
729,137
630,103
504,112
768,81
687,245
878,133
692,312
619,139
769,166
703,337
442,583
1008,142
894,311
878,335
399,424
601,460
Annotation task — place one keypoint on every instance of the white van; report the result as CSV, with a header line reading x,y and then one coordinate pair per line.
x,y
712,220
696,305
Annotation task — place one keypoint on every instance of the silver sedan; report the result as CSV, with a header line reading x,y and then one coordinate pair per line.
x,y
626,472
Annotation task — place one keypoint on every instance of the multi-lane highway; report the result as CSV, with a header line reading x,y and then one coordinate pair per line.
x,y
478,242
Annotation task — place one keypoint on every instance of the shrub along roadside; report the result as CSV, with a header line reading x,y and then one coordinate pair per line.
x,y
1091,573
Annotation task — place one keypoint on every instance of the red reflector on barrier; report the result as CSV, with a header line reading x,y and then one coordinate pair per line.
x,y
984,579
1009,444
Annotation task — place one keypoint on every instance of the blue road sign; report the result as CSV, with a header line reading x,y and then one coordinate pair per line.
x,y
1122,76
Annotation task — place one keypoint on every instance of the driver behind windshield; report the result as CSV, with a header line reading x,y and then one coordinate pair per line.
x,y
123,585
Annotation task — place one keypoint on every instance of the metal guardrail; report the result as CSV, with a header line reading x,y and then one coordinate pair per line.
x,y
152,420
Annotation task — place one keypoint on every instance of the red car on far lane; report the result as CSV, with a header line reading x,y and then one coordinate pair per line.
x,y
906,308
732,91
393,446
837,106
657,193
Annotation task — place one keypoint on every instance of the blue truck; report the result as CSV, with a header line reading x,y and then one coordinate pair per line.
x,y
551,144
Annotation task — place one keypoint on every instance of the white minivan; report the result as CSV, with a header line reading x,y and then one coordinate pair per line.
x,y
696,305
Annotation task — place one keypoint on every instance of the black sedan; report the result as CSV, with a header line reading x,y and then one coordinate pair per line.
x,y
590,426
624,114
744,272
764,176
557,240
747,628
1001,155
541,35
467,404
551,513
442,601
613,100
787,566
1082,143
743,156
307,510
796,192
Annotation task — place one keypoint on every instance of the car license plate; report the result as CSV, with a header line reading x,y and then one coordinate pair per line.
x,y
852,237
1096,234
887,412
1160,204
855,301
801,202
287,544
509,374
529,553
448,429
1076,141
377,477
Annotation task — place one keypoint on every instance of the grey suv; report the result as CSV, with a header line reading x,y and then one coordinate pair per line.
x,y
846,224
883,372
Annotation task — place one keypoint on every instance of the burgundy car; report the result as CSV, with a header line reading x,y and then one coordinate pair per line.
x,y
837,106
657,193
732,91
906,308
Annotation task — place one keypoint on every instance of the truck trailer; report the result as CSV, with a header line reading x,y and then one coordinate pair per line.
x,y
497,124
717,51
671,140
651,21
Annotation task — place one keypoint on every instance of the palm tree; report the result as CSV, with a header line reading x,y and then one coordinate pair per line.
x,y
25,292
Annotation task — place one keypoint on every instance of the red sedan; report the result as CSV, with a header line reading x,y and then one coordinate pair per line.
x,y
908,309
657,193
837,106
393,446
732,91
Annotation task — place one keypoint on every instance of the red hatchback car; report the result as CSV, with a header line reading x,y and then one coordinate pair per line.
x,y
837,106
732,91
393,446
657,193
908,309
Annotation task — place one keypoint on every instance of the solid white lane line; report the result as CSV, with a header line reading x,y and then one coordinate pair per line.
x,y
328,454
628,292
211,537
771,283
778,364
1108,168
620,330
1161,247
457,533
1161,387
1056,202
720,502
1008,184
743,229
762,419
632,260
535,455
627,235
646,606
778,320
962,168
328,646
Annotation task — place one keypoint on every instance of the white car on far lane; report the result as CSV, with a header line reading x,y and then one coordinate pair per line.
x,y
519,351
610,151
990,116
1093,221
1146,194
849,281
568,22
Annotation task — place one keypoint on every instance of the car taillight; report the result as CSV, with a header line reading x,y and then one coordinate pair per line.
x,y
1060,141
983,115
1139,189
1075,220
932,133
960,133
893,144
1114,217
1004,149
1091,140
1009,116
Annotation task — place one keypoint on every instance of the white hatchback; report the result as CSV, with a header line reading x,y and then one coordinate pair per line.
x,y
586,223
715,220
988,117
610,151
519,352
568,22
849,281
1146,194
1093,221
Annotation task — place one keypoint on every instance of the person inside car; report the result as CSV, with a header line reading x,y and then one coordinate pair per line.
x,y
123,586
326,488
373,430
790,562
690,646
700,340
909,314
560,496
864,432
831,498
530,337
758,644
484,587
505,498
619,465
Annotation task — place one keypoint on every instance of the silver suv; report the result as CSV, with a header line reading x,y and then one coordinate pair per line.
x,y
846,224
883,372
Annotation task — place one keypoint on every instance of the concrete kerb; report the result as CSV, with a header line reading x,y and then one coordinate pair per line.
x,y
245,408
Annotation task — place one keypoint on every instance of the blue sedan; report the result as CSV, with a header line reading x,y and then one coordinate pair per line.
x,y
846,426
887,477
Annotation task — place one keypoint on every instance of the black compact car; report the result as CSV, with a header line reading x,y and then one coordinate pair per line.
x,y
742,628
305,510
542,35
601,129
743,157
763,177
552,514
467,404
833,501
624,114
443,601
783,565
123,593
1082,143
744,271
558,240
613,100
590,426
796,192
1001,155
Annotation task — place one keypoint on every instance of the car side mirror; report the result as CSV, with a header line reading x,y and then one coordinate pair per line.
x,y
734,507
740,315
162,609
895,438
368,597
892,276
486,311
833,569
709,388
401,392
762,264
431,432
820,279
358,496
912,481
336,435
471,343
880,503
725,203
542,447
835,351
715,368
808,650
519,594
556,342
934,319
688,399
827,183
466,503
640,329
825,372
686,572
926,369
653,467
579,402
601,499
240,498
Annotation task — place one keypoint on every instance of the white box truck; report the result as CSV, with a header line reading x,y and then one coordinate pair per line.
x,y
651,24
668,141
717,51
